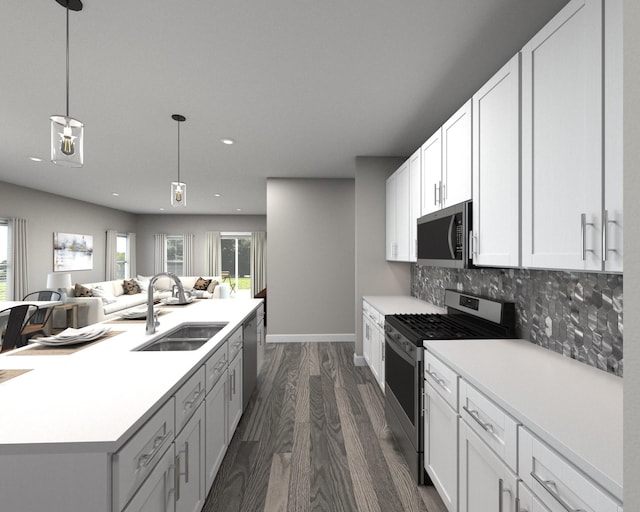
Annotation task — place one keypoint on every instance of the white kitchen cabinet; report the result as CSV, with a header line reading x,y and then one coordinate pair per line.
x,y
415,188
555,481
235,393
496,169
486,483
456,157
157,494
261,338
190,464
441,446
398,205
217,427
562,133
367,334
373,341
431,161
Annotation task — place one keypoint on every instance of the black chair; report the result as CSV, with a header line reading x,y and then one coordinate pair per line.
x,y
38,321
12,321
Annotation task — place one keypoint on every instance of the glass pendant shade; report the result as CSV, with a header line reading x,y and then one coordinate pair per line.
x,y
178,194
67,141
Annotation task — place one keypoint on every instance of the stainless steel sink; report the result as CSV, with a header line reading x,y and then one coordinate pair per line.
x,y
183,337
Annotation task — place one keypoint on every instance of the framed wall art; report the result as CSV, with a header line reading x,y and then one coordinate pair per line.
x,y
72,252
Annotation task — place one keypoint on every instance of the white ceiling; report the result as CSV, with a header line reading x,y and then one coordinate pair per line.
x,y
304,86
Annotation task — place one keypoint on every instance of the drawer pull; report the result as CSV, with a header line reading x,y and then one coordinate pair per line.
x,y
145,459
186,463
196,398
488,427
551,488
439,381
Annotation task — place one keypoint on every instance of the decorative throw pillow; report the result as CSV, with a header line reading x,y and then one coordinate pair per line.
x,y
212,286
202,284
82,291
106,297
130,287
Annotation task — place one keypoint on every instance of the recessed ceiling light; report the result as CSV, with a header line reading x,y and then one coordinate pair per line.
x,y
35,159
238,209
227,141
115,194
161,209
217,195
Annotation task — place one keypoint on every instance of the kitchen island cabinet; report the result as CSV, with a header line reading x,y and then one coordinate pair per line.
x,y
85,408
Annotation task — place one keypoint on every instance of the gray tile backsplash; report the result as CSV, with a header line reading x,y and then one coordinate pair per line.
x,y
576,314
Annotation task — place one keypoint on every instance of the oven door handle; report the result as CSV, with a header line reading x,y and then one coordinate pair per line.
x,y
397,348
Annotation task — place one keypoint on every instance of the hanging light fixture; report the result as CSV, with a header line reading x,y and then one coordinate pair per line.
x,y
67,132
178,188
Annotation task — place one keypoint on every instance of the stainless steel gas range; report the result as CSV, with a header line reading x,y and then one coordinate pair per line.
x,y
467,317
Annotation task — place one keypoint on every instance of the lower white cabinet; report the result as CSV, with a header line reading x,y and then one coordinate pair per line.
x,y
157,494
190,464
217,427
261,339
373,341
441,446
486,483
235,393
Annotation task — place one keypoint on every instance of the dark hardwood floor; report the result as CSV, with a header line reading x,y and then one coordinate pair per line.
x,y
314,437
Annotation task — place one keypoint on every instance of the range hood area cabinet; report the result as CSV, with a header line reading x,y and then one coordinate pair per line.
x,y
572,140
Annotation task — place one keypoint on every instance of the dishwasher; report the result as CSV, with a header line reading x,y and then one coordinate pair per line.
x,y
250,357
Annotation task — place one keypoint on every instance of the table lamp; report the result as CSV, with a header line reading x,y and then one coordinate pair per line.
x,y
60,282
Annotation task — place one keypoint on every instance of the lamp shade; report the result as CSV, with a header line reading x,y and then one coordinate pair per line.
x,y
58,280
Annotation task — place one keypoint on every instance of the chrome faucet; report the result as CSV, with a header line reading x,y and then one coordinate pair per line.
x,y
152,319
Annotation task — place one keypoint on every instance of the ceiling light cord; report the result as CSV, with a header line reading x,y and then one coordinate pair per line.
x,y
179,153
68,58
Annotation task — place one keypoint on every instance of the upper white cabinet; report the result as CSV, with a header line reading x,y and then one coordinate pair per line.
x,y
562,141
496,169
415,180
446,163
456,157
398,205
431,152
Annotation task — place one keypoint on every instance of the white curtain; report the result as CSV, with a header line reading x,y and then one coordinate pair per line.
x,y
258,262
160,253
110,259
187,255
132,255
18,276
212,253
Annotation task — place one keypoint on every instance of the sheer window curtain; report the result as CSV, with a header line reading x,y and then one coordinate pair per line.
x,y
188,262
133,271
159,252
212,253
258,262
18,282
110,257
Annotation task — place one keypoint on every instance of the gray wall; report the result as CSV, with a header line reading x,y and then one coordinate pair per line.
x,y
47,213
310,259
148,225
632,253
374,275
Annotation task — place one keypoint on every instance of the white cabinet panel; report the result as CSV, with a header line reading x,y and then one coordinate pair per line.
x,y
443,379
398,204
485,481
217,425
415,189
496,169
157,492
190,464
562,141
431,163
456,157
441,447
235,393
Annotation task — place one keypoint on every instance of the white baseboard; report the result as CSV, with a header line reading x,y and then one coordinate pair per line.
x,y
359,360
309,338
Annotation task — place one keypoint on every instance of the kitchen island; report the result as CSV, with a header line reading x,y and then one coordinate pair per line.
x,y
65,422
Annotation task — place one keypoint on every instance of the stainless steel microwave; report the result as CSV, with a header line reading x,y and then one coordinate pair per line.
x,y
443,237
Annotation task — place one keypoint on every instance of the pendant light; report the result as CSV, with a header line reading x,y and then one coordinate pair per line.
x,y
178,188
67,132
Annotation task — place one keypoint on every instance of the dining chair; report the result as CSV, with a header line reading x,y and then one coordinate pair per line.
x,y
11,322
39,320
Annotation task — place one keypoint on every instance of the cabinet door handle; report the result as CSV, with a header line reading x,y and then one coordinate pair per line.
x,y
605,245
186,462
177,477
551,488
172,490
583,235
435,194
500,491
488,427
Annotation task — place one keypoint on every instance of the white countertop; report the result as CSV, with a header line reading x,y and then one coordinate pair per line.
x,y
575,408
401,304
94,399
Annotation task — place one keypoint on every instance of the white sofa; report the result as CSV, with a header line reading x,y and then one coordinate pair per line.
x,y
110,299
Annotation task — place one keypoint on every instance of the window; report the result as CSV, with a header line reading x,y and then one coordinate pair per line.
x,y
236,260
175,254
122,256
4,257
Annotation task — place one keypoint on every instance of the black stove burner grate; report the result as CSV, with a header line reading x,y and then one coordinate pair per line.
x,y
434,326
